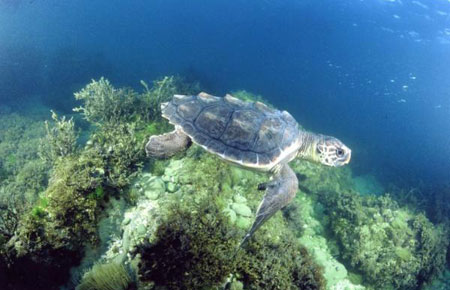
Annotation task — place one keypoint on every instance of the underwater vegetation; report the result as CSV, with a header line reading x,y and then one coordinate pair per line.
x,y
197,250
391,246
128,222
60,140
105,104
193,249
50,237
14,152
22,174
285,264
431,199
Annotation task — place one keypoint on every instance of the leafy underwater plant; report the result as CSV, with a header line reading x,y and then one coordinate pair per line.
x,y
162,91
122,153
103,103
39,210
60,141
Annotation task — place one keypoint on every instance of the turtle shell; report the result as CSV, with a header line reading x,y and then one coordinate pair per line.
x,y
245,133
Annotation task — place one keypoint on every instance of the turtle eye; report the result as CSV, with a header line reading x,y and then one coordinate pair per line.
x,y
339,152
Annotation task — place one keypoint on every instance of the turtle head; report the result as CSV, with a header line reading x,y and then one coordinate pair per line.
x,y
330,151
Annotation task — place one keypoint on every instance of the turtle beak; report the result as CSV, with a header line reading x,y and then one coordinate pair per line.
x,y
348,156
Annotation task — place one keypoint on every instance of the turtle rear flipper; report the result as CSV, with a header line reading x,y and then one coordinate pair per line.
x,y
167,145
279,192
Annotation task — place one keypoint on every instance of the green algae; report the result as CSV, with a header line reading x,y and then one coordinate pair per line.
x,y
248,96
193,248
403,253
322,249
14,152
60,140
281,265
11,160
39,210
391,246
242,209
243,222
98,193
200,179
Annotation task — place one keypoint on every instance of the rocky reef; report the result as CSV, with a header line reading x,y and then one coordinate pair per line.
x,y
390,246
100,215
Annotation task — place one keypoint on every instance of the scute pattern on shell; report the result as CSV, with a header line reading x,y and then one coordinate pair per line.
x,y
248,133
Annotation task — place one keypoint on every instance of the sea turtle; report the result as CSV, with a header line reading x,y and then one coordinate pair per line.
x,y
250,135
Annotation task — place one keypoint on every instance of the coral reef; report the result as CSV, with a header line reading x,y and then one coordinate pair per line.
x,y
196,222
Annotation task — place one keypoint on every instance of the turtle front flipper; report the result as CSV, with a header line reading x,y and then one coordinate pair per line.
x,y
279,192
167,145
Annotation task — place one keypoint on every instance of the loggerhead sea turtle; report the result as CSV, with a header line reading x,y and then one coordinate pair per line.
x,y
250,135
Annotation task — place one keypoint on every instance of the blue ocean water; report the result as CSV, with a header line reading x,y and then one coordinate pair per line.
x,y
373,73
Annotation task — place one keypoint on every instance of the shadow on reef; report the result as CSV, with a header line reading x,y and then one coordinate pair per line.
x,y
43,270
